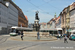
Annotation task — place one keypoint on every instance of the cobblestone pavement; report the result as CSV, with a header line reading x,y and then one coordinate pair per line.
x,y
10,44
3,38
26,38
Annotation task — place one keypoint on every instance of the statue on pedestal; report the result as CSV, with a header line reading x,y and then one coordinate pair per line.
x,y
36,16
36,25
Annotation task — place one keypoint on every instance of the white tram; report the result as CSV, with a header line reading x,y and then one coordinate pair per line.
x,y
15,30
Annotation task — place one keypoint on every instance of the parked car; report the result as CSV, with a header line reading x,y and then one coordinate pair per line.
x,y
66,35
72,37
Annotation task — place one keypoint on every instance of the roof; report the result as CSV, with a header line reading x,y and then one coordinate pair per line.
x,y
58,28
43,23
58,17
72,3
57,20
21,28
53,19
51,29
26,17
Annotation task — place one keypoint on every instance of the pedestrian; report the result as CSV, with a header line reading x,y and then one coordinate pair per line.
x,y
38,36
65,39
21,35
61,37
19,32
58,36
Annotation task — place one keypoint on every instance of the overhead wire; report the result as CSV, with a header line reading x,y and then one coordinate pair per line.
x,y
50,4
37,7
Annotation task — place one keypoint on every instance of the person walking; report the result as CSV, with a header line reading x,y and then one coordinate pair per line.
x,y
65,39
21,35
38,36
19,32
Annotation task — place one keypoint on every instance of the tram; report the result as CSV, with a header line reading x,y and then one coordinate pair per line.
x,y
15,30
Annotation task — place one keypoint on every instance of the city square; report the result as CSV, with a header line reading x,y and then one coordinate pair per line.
x,y
37,24
6,43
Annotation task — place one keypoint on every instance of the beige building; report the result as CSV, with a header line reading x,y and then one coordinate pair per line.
x,y
43,25
65,18
72,16
52,22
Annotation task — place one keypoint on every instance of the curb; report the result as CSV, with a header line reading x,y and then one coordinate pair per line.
x,y
34,40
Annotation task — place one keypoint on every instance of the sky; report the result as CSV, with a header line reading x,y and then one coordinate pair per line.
x,y
46,8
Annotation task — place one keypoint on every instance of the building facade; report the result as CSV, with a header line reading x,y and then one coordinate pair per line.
x,y
43,25
8,16
49,24
58,22
66,18
11,15
72,16
26,21
22,19
63,20
3,17
52,22
30,25
72,19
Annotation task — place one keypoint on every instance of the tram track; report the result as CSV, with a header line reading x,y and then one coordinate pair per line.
x,y
22,47
3,39
26,46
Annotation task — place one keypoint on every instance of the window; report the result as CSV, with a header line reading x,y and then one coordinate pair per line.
x,y
4,21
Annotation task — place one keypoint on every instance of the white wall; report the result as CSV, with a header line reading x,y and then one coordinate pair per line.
x,y
42,26
53,24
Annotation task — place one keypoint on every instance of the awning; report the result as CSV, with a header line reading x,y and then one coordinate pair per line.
x,y
72,31
59,28
45,29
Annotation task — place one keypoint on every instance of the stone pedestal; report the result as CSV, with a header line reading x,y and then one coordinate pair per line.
x,y
34,34
36,25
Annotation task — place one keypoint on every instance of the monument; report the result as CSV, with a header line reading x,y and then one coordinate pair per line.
x,y
36,25
36,29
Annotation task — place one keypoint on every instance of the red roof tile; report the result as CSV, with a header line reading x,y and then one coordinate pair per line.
x,y
26,17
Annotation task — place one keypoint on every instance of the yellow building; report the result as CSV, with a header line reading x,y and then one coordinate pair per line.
x,y
65,18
